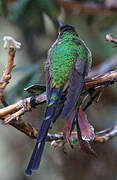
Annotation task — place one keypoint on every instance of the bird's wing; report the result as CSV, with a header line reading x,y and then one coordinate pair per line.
x,y
48,79
75,86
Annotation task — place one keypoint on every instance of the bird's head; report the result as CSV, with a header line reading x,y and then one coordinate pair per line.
x,y
65,28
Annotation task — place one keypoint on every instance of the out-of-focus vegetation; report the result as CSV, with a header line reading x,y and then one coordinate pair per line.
x,y
33,23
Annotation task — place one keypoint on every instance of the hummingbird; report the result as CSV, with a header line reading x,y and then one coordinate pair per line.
x,y
69,61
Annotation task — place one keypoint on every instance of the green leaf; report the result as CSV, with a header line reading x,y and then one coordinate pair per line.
x,y
35,89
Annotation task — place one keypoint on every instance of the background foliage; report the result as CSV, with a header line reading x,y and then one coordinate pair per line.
x,y
33,23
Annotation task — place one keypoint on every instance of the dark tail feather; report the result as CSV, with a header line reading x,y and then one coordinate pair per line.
x,y
75,88
50,113
38,155
48,118
28,171
35,158
57,113
39,147
43,130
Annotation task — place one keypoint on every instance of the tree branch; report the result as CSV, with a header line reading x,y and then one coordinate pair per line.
x,y
11,45
89,6
7,74
101,136
26,104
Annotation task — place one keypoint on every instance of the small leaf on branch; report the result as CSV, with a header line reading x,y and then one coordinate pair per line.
x,y
84,145
35,89
87,130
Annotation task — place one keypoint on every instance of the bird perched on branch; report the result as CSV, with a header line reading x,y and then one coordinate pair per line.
x,y
68,62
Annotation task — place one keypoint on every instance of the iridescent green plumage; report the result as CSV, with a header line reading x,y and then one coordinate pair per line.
x,y
63,55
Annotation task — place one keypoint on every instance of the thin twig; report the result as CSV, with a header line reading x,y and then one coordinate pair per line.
x,y
101,136
7,74
102,80
110,38
11,45
104,67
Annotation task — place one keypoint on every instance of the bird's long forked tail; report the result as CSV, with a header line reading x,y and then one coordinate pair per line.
x,y
38,151
46,123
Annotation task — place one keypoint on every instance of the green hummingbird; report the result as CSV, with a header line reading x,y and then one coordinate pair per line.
x,y
68,62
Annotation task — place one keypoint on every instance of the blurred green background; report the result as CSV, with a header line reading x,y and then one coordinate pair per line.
x,y
33,23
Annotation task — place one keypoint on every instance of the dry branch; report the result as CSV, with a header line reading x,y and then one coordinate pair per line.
x,y
26,128
102,80
104,67
89,6
11,45
101,136
97,82
6,76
